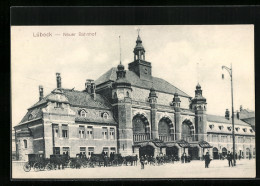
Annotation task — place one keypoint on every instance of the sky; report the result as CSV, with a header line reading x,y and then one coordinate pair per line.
x,y
181,54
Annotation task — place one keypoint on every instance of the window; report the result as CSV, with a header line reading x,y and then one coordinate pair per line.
x,y
83,113
90,151
82,150
104,132
248,139
105,115
65,131
215,138
223,138
66,150
237,129
90,132
112,133
58,105
55,130
81,132
251,130
244,129
30,117
220,127
112,150
25,144
56,150
105,150
211,126
229,128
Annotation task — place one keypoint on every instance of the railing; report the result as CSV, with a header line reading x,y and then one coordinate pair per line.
x,y
166,138
189,138
141,136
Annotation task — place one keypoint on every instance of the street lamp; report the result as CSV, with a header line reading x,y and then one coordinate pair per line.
x,y
233,131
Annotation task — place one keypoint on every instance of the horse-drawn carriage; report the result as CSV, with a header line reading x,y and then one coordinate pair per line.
x,y
80,161
36,161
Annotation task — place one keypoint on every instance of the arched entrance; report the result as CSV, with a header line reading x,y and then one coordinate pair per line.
x,y
172,151
215,153
141,129
194,153
187,130
224,152
146,150
165,129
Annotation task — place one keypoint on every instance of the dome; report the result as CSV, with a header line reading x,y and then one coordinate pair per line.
x,y
120,67
198,86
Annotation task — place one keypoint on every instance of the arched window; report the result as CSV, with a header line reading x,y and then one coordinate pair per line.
x,y
25,144
115,95
83,113
30,117
139,124
127,94
105,115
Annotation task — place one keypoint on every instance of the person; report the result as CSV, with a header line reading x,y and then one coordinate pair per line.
x,y
239,156
250,156
142,162
207,160
182,158
229,158
185,158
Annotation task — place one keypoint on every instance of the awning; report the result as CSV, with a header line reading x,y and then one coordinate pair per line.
x,y
170,144
183,143
204,144
157,143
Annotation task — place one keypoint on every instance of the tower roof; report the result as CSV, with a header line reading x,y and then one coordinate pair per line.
x,y
139,45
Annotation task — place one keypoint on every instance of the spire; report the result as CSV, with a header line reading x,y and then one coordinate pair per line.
x,y
139,51
120,50
120,68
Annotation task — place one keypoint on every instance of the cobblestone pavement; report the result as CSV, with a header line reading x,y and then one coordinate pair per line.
x,y
195,169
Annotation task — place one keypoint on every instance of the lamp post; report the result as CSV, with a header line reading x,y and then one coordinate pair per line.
x,y
233,127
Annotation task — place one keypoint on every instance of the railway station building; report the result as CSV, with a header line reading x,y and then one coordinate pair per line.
x,y
128,112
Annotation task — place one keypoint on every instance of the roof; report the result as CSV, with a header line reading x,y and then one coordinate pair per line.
x,y
246,113
79,98
204,144
94,116
74,98
156,142
35,113
222,119
157,83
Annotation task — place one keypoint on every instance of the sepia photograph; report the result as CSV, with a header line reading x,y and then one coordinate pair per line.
x,y
133,101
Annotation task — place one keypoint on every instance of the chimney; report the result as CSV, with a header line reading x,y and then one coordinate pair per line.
x,y
227,114
93,90
237,114
58,80
88,85
40,92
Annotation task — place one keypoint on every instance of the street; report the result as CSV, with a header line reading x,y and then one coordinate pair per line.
x,y
194,169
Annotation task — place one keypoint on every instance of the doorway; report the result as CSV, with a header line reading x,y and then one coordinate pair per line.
x,y
146,150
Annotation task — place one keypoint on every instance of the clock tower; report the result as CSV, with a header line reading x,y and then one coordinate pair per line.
x,y
141,67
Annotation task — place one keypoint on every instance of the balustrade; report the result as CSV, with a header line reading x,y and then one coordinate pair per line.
x,y
141,137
